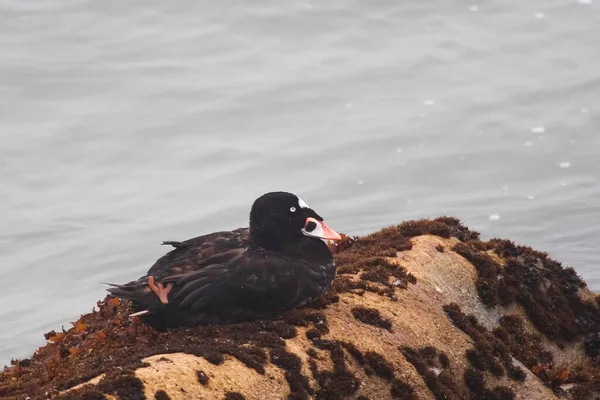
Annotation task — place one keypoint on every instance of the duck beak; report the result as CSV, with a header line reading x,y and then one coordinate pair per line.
x,y
319,229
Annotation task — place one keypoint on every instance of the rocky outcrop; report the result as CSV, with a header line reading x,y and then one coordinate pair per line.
x,y
421,310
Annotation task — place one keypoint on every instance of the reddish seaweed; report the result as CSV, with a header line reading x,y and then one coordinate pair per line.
x,y
371,316
434,367
548,292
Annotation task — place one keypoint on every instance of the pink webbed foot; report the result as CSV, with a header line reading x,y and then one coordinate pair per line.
x,y
160,290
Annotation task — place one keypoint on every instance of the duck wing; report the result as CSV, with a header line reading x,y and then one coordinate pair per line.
x,y
140,291
187,256
256,284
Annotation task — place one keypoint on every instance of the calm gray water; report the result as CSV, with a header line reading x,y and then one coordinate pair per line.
x,y
125,123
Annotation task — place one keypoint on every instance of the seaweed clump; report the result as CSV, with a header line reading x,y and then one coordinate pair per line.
x,y
550,295
234,396
375,364
488,270
338,383
548,292
587,384
106,341
368,256
125,385
383,369
434,367
88,392
292,365
441,226
161,395
526,347
388,241
489,353
378,275
371,316
475,382
511,338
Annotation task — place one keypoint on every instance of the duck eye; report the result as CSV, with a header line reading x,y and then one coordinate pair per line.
x,y
293,209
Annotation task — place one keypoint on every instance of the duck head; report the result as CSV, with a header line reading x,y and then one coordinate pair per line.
x,y
280,218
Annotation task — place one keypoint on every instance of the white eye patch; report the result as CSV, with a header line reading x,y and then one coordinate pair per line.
x,y
302,204
293,209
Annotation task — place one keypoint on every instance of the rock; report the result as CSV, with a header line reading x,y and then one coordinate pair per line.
x,y
418,311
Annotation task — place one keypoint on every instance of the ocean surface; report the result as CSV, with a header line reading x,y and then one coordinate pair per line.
x,y
125,123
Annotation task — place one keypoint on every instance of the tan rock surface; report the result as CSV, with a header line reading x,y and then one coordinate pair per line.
x,y
417,320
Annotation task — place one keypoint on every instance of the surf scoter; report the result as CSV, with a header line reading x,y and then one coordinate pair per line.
x,y
279,263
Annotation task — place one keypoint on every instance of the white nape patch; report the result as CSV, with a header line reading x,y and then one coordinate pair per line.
x,y
302,204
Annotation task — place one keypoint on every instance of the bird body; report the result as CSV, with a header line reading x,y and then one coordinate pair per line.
x,y
279,263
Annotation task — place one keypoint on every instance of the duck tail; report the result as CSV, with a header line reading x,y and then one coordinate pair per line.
x,y
140,293
128,291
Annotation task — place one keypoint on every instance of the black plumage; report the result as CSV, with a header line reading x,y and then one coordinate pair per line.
x,y
279,263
